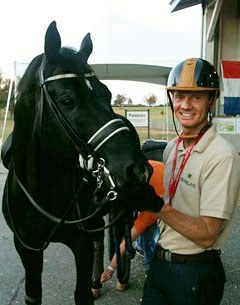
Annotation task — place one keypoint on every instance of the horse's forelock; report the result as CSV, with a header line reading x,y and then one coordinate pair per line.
x,y
73,60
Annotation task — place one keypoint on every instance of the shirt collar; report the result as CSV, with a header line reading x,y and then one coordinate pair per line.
x,y
203,143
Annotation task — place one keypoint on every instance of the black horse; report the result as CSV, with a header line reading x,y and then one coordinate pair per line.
x,y
71,158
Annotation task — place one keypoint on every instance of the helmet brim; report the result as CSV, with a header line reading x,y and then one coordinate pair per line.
x,y
191,89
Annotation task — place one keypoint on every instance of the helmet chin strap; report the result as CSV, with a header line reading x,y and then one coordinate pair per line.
x,y
188,137
195,136
171,105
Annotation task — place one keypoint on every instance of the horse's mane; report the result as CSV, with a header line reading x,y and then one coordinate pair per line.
x,y
29,80
74,60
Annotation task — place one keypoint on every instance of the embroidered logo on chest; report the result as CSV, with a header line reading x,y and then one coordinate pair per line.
x,y
187,180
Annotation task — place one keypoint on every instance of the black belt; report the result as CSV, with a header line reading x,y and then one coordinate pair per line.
x,y
169,256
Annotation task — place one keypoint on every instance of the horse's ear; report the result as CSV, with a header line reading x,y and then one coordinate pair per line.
x,y
52,43
86,47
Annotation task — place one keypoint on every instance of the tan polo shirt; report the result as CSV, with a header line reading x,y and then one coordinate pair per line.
x,y
209,186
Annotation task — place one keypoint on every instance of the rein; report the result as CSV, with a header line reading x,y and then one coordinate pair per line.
x,y
109,197
59,221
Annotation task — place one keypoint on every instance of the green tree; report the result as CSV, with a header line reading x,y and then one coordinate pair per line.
x,y
129,101
120,99
150,99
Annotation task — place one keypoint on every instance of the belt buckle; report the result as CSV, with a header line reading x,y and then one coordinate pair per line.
x,y
168,256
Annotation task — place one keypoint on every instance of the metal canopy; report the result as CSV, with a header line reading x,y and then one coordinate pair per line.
x,y
133,72
177,5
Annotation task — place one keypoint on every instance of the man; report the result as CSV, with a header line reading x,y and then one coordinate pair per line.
x,y
202,183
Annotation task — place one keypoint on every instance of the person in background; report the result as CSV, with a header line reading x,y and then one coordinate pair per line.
x,y
153,150
202,181
143,221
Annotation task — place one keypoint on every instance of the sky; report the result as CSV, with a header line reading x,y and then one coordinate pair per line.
x,y
122,31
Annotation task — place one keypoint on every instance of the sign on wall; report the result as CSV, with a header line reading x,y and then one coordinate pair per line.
x,y
227,125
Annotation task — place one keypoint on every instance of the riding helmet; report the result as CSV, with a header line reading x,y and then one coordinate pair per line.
x,y
193,74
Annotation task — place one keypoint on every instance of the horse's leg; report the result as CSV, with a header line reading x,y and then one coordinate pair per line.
x,y
33,265
83,254
97,264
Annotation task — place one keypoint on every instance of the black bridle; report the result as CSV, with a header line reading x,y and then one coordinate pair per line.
x,y
87,158
102,135
87,151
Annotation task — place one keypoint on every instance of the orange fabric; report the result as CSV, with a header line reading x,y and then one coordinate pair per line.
x,y
156,179
145,219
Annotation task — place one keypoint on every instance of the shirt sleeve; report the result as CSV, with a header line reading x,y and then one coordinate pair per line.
x,y
219,195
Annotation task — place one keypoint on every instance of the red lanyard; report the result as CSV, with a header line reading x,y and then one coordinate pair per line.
x,y
174,180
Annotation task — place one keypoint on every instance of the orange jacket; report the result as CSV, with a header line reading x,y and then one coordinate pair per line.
x,y
145,219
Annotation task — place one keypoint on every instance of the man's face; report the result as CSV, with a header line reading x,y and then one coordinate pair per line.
x,y
191,108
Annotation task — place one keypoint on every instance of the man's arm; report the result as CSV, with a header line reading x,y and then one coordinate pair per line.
x,y
202,230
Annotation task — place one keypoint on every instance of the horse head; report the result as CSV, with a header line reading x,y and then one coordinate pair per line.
x,y
63,111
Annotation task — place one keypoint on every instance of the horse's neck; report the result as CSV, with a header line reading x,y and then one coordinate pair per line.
x,y
36,169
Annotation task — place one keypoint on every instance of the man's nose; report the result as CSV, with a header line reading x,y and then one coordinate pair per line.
x,y
186,102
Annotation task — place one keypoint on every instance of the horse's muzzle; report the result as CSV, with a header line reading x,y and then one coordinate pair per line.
x,y
131,176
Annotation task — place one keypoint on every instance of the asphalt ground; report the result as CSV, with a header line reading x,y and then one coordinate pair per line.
x,y
59,272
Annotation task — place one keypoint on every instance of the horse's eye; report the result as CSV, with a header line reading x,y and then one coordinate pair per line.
x,y
66,101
